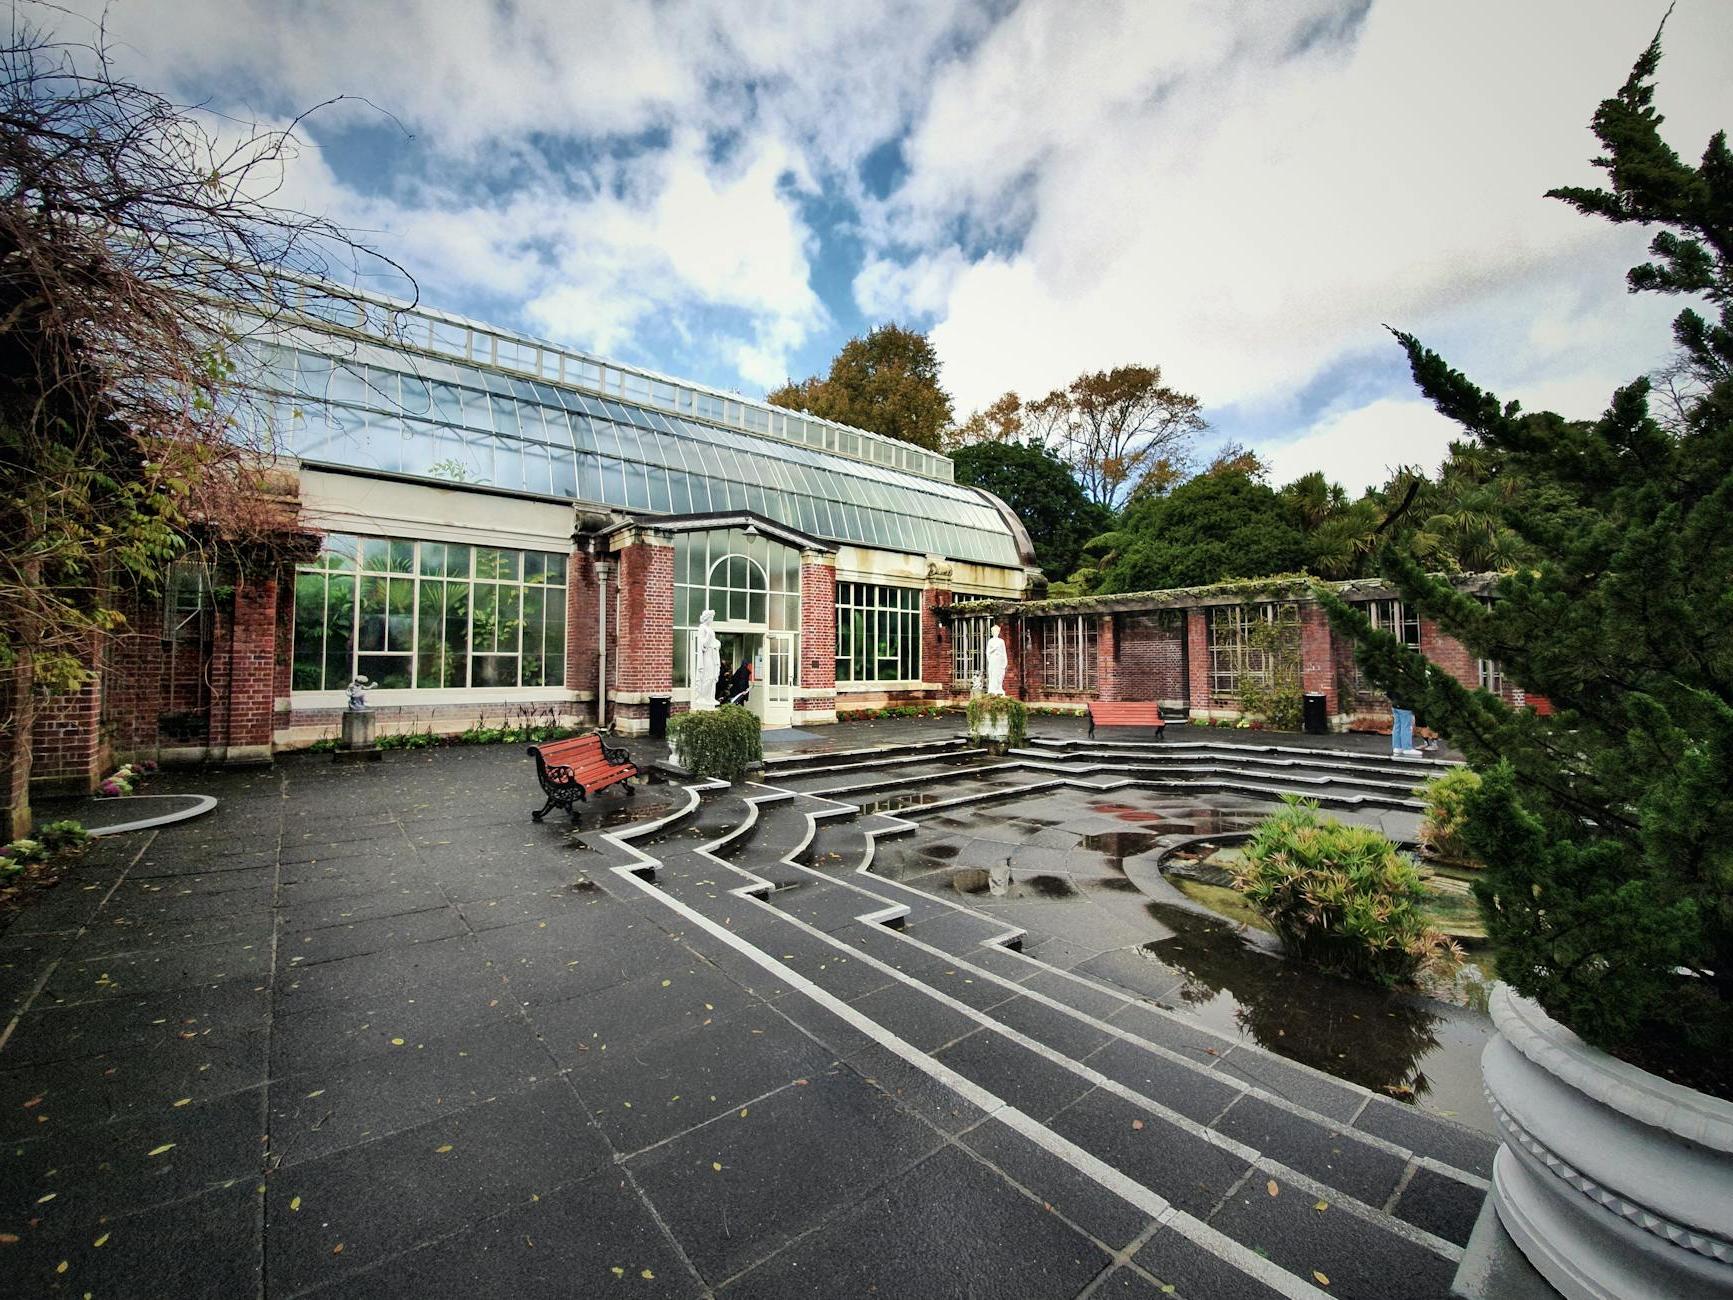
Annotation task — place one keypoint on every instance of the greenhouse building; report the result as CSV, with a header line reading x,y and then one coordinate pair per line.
x,y
490,528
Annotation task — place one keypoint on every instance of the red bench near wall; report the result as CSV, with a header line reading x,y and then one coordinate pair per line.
x,y
1125,713
573,770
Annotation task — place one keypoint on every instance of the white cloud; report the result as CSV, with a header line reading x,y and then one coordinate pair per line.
x,y
1197,198
1361,448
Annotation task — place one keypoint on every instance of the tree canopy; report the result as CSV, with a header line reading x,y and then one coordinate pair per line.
x,y
1216,526
1113,427
127,238
1607,828
1036,485
886,382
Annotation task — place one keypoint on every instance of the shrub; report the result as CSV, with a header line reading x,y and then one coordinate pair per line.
x,y
1340,896
21,853
721,742
1441,829
991,709
59,837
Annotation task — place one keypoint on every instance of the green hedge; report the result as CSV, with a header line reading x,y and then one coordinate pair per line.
x,y
1441,829
721,742
990,708
1341,896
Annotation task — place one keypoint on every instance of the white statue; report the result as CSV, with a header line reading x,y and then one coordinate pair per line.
x,y
706,663
995,663
358,688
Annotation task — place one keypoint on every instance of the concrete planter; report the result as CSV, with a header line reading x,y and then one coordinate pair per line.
x,y
1613,1182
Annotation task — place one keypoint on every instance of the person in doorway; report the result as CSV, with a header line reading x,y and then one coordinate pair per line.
x,y
741,686
724,683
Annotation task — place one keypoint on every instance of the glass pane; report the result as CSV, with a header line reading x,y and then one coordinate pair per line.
x,y
495,670
433,559
486,618
309,631
386,672
430,636
339,632
456,634
375,555
370,635
554,648
400,623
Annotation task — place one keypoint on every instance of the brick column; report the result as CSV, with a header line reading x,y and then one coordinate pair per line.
x,y
641,625
1318,657
1013,630
935,635
244,673
1107,658
1448,653
67,748
581,627
815,696
1197,656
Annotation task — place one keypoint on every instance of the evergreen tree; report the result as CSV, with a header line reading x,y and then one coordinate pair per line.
x,y
1607,828
1040,490
1216,526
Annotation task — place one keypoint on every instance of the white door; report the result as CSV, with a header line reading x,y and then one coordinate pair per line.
x,y
779,678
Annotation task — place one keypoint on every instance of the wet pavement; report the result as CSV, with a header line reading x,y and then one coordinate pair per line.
x,y
367,1030
1067,867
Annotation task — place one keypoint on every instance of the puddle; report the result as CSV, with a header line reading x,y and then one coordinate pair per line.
x,y
940,852
997,882
1117,846
1397,1043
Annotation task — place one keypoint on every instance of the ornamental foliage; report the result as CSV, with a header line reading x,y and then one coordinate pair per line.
x,y
1607,827
1340,896
721,742
990,712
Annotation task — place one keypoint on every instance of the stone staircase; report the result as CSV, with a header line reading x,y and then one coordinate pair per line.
x,y
1267,1178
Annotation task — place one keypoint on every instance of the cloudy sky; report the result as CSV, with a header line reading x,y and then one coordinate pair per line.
x,y
1242,193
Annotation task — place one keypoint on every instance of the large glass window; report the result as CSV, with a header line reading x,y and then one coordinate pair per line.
x,y
1066,644
747,580
878,633
969,645
1233,651
429,615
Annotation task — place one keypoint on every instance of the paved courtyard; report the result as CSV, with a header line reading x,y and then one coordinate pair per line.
x,y
368,1030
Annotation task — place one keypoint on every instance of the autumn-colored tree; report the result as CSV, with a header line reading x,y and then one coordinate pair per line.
x,y
886,382
1113,426
999,421
136,258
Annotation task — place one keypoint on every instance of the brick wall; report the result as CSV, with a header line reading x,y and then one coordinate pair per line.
x,y
643,627
1197,655
581,619
936,659
1107,683
817,692
67,749
244,671
1318,657
1150,658
1448,653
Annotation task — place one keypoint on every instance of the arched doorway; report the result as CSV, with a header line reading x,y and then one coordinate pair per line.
x,y
751,583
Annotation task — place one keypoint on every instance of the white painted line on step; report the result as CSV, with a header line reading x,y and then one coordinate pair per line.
x,y
996,1107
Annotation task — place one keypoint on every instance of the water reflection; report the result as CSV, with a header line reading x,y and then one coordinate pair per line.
x,y
1378,1039
997,882
1117,846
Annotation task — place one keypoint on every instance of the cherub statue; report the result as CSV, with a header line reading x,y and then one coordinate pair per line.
x,y
358,689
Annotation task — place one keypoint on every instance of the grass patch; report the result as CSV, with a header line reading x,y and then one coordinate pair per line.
x,y
1227,903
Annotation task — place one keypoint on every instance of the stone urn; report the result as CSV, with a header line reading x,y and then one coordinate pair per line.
x,y
1613,1182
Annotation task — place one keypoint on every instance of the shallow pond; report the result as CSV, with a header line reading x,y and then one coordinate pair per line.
x,y
1407,1046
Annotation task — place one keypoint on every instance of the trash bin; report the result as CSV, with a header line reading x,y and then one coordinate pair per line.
x,y
659,706
1314,714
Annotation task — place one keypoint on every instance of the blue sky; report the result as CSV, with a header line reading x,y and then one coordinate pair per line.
x,y
1245,195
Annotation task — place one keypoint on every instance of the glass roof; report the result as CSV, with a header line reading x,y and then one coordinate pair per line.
x,y
420,329
377,407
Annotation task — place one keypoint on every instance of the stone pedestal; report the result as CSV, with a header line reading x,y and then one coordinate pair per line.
x,y
359,729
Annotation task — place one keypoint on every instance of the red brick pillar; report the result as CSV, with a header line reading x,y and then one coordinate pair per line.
x,y
68,752
244,673
1197,656
1107,658
935,633
581,628
642,626
1318,657
1448,653
815,697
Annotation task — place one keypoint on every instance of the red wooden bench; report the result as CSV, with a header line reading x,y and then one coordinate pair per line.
x,y
573,770
1125,713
